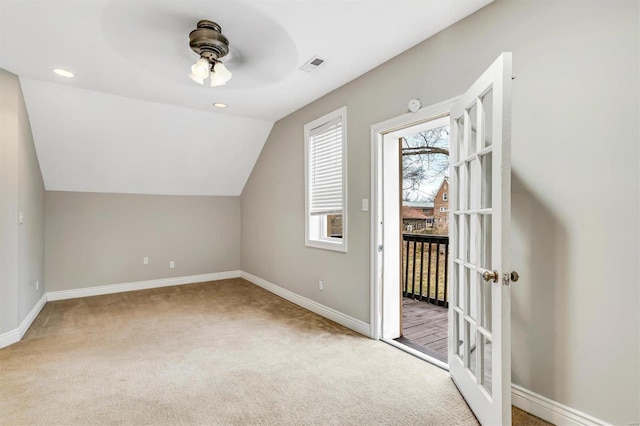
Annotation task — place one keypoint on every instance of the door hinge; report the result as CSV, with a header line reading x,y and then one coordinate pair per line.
x,y
380,247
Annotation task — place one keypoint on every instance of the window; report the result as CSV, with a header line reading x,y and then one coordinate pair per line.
x,y
443,209
325,181
444,196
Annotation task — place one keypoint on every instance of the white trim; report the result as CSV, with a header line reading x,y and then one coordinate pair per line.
x,y
378,131
417,354
550,410
139,285
351,323
9,338
15,335
31,316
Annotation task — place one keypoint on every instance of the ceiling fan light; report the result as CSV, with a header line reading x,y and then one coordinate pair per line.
x,y
221,72
216,80
196,78
201,68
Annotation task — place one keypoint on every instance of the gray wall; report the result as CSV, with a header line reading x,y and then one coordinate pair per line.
x,y
575,189
21,189
97,239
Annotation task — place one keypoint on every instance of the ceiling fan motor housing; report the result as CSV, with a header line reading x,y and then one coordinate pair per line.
x,y
208,42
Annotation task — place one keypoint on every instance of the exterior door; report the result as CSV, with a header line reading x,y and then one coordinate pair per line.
x,y
479,316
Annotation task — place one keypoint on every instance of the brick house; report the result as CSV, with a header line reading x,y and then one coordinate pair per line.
x,y
441,208
426,207
414,220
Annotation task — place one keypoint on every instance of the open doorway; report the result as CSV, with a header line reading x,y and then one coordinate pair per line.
x,y
425,237
396,277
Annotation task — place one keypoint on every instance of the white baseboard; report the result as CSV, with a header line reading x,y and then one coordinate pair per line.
x,y
351,323
31,316
139,285
9,338
550,410
14,336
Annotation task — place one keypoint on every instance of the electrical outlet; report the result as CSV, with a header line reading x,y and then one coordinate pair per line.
x,y
21,217
321,285
37,284
145,260
172,264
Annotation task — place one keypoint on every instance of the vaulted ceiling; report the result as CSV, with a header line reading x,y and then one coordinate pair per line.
x,y
131,121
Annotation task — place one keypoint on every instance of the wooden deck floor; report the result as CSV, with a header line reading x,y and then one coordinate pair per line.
x,y
425,328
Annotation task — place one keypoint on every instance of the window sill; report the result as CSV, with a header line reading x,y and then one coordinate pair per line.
x,y
327,245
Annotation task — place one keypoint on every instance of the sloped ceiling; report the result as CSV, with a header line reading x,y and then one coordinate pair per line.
x,y
131,121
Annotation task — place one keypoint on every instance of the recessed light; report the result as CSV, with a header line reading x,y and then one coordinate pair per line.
x,y
63,73
220,105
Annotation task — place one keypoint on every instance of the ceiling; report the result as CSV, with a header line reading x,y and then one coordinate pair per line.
x,y
131,121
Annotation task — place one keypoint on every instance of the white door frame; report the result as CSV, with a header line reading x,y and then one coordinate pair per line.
x,y
389,236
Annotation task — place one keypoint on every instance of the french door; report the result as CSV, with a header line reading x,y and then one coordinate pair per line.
x,y
479,313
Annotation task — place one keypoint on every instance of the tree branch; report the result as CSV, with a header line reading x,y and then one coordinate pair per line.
x,y
424,150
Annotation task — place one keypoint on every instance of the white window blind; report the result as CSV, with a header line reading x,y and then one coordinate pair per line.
x,y
325,168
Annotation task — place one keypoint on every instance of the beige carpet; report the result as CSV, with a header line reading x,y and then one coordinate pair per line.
x,y
224,352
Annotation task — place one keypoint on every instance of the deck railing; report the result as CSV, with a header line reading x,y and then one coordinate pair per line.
x,y
425,261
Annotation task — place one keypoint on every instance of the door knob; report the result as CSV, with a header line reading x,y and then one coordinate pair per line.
x,y
490,276
514,276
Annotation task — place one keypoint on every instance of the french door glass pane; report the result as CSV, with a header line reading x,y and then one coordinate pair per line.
x,y
466,290
486,183
485,303
456,233
473,227
468,187
472,307
473,350
473,131
474,174
485,350
487,103
460,237
462,149
459,270
467,237
485,240
458,335
457,171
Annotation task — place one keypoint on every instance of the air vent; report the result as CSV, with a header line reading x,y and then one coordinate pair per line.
x,y
312,64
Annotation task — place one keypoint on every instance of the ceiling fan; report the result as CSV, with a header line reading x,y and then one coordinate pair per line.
x,y
211,45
